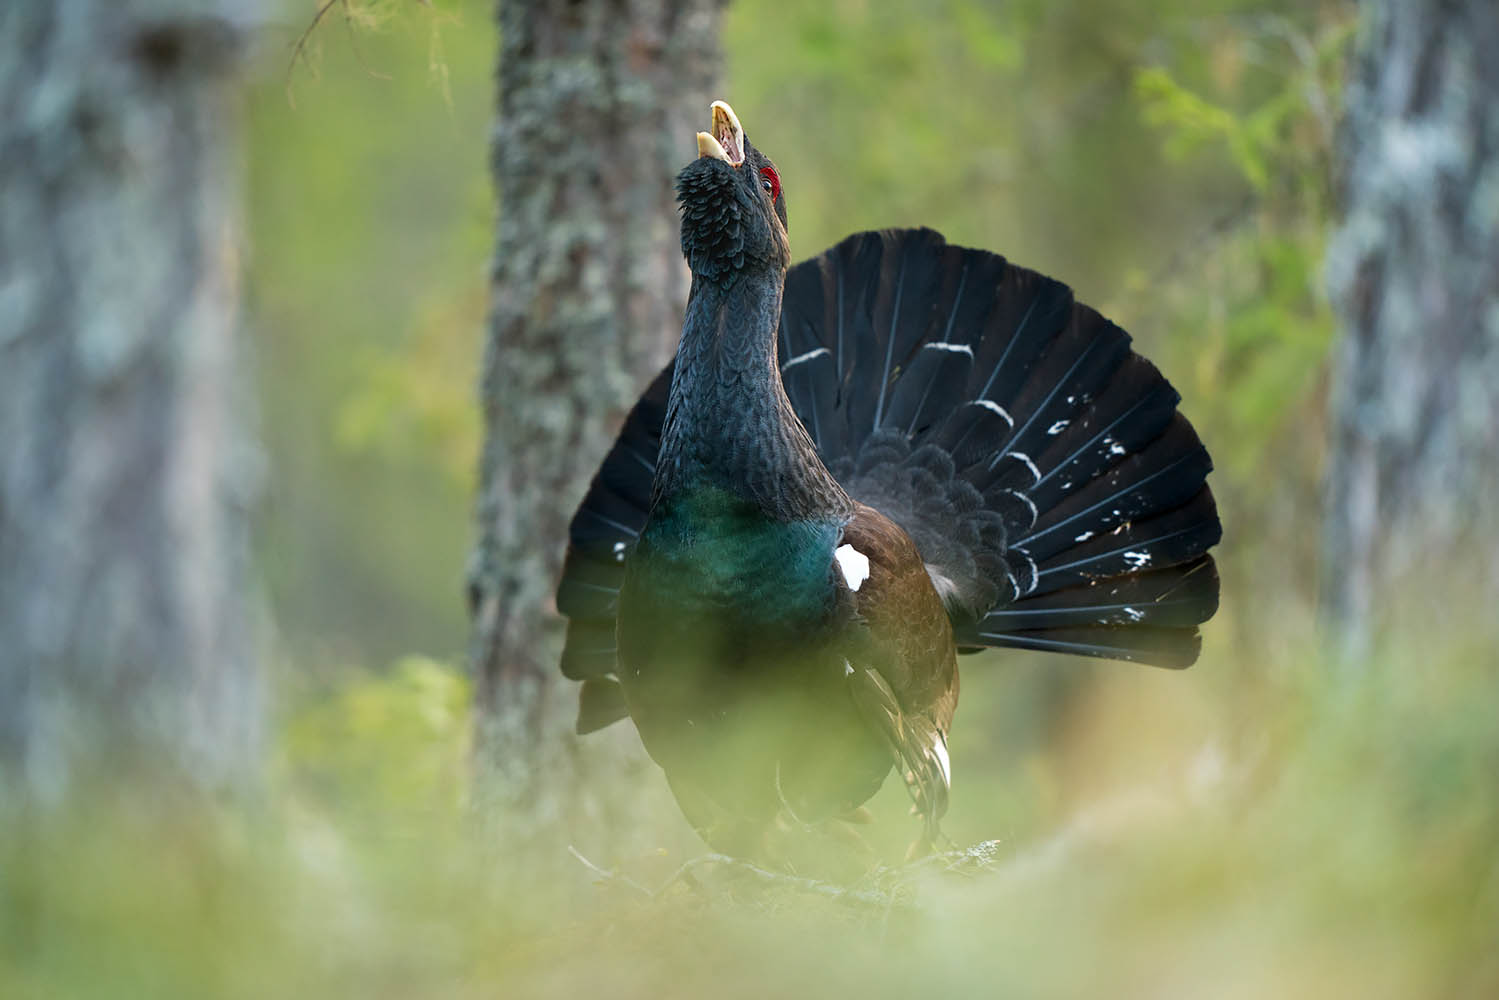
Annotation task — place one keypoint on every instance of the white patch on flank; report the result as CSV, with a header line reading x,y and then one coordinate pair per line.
x,y
1035,472
855,566
989,404
1071,400
1083,537
1058,427
816,353
941,345
848,669
939,750
619,551
1137,560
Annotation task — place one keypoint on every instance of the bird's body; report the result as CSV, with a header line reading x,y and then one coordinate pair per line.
x,y
846,475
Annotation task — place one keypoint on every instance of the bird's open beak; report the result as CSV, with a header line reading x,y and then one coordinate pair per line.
x,y
726,141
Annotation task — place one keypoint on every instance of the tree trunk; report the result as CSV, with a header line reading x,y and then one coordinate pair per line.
x,y
124,479
599,103
1414,272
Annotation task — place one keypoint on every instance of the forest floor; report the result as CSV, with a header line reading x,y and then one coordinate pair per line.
x,y
1351,852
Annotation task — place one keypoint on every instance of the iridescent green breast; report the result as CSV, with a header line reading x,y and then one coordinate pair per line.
x,y
711,557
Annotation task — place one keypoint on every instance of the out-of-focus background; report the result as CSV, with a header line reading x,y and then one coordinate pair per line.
x,y
1276,821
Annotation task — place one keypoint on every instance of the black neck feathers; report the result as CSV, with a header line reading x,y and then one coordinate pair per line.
x,y
728,423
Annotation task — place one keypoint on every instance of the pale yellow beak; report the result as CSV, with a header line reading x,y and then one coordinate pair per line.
x,y
726,141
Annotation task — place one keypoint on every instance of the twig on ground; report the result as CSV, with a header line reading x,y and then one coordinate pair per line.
x,y
299,49
610,876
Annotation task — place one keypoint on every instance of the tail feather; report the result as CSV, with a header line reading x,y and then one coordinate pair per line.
x,y
898,303
600,703
590,649
919,399
589,589
1028,311
1173,648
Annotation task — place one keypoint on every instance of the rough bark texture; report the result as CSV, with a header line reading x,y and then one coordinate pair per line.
x,y
123,479
599,102
1414,273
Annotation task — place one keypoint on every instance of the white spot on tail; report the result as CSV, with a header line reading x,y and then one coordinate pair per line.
x,y
1058,427
1035,572
619,551
1137,560
816,353
848,669
1083,537
942,345
1035,472
989,404
1135,614
1115,448
1028,502
855,566
939,750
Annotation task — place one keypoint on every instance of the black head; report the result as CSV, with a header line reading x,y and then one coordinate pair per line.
x,y
733,210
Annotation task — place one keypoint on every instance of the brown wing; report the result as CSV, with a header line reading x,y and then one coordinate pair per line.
x,y
904,678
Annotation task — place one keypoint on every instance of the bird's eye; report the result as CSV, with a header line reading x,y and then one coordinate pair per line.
x,y
771,182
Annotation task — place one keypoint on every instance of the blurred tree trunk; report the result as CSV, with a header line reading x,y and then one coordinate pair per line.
x,y
1413,485
598,105
124,630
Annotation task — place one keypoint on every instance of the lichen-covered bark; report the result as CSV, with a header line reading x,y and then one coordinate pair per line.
x,y
1413,480
599,102
123,477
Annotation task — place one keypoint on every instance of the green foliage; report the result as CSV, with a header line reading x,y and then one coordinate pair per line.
x,y
381,745
405,406
1194,121
371,218
1268,326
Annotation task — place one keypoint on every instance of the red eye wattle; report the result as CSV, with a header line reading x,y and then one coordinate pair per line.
x,y
771,182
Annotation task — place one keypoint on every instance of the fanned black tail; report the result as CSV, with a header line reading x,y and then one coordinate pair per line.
x,y
1057,497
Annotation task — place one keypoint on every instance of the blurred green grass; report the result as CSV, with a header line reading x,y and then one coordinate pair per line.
x,y
1270,823
1345,846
